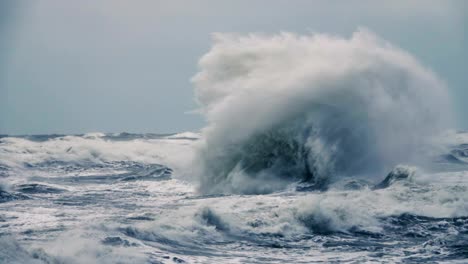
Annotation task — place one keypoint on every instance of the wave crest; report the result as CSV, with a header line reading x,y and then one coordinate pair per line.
x,y
286,107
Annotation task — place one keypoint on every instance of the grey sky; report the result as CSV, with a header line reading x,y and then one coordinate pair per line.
x,y
111,66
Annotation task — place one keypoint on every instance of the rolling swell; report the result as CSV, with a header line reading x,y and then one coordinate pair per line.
x,y
289,108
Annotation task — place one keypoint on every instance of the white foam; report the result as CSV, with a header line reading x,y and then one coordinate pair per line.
x,y
366,103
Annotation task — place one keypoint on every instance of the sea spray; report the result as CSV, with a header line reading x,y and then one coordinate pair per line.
x,y
286,108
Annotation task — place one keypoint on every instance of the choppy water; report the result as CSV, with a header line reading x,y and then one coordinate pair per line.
x,y
129,198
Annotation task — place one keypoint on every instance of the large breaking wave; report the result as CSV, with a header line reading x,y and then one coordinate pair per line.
x,y
309,108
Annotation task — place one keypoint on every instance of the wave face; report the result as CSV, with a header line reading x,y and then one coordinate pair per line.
x,y
288,108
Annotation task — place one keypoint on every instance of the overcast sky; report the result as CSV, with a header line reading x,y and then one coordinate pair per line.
x,y
113,66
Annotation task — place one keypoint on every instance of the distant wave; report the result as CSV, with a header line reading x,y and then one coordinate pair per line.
x,y
307,108
121,150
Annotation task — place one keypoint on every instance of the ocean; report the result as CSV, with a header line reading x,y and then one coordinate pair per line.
x,y
315,149
129,198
